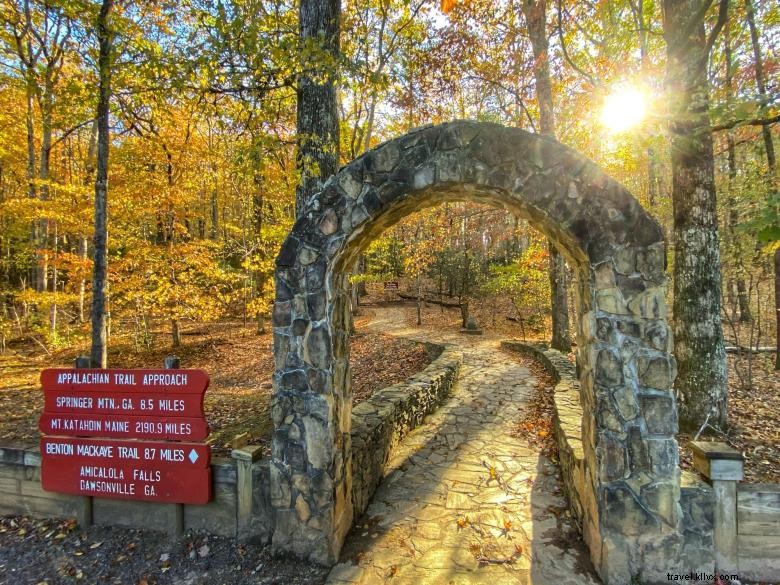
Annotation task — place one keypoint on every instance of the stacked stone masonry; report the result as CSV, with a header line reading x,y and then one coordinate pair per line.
x,y
631,479
381,422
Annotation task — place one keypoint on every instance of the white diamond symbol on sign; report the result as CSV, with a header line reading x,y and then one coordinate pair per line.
x,y
193,456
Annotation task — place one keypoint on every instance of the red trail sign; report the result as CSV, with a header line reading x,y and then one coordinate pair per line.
x,y
134,470
126,404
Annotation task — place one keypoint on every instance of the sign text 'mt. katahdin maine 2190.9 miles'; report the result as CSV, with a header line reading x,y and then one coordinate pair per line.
x,y
85,411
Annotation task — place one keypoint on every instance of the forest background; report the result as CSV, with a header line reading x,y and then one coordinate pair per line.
x,y
203,169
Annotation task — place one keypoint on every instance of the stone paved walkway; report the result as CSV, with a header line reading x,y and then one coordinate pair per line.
x,y
463,502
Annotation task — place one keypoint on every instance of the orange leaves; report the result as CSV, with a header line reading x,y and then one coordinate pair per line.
x,y
448,5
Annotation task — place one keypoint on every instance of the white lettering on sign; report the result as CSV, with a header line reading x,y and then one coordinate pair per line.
x,y
74,402
147,475
82,425
118,426
165,380
124,379
106,403
82,378
178,428
59,449
107,487
101,472
95,450
171,405
171,455
127,452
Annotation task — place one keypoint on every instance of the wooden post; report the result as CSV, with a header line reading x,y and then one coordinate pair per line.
x,y
85,517
176,511
245,457
722,465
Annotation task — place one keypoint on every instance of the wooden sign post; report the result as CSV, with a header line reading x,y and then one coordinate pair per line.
x,y
126,434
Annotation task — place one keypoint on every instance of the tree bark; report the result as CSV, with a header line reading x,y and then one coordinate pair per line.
x,y
758,59
777,307
317,113
84,244
698,336
743,300
535,12
175,333
98,355
257,224
214,212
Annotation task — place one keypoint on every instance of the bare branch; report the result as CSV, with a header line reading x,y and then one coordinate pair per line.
x,y
746,122
723,14
566,56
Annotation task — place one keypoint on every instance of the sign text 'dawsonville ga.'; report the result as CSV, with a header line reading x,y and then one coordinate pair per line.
x,y
141,470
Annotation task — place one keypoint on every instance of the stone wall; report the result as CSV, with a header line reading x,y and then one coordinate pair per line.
x,y
379,423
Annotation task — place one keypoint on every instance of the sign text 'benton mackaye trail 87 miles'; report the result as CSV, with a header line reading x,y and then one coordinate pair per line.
x,y
88,410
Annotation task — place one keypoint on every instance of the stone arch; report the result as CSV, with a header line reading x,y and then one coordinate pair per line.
x,y
624,363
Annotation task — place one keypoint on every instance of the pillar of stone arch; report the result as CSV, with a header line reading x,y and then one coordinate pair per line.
x,y
631,507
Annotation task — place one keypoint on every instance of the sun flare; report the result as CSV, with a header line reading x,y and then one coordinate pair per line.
x,y
623,109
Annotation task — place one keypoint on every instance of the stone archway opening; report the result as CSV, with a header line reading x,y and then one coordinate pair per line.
x,y
631,485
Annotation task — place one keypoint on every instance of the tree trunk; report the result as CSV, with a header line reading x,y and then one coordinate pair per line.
x,y
214,231
698,336
777,307
732,215
560,324
44,175
83,284
317,113
257,221
419,300
54,283
175,333
98,354
535,12
758,60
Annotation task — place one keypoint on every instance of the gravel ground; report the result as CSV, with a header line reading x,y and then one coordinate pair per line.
x,y
52,552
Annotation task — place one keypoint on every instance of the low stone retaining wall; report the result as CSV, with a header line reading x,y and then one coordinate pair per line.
x,y
379,423
241,506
